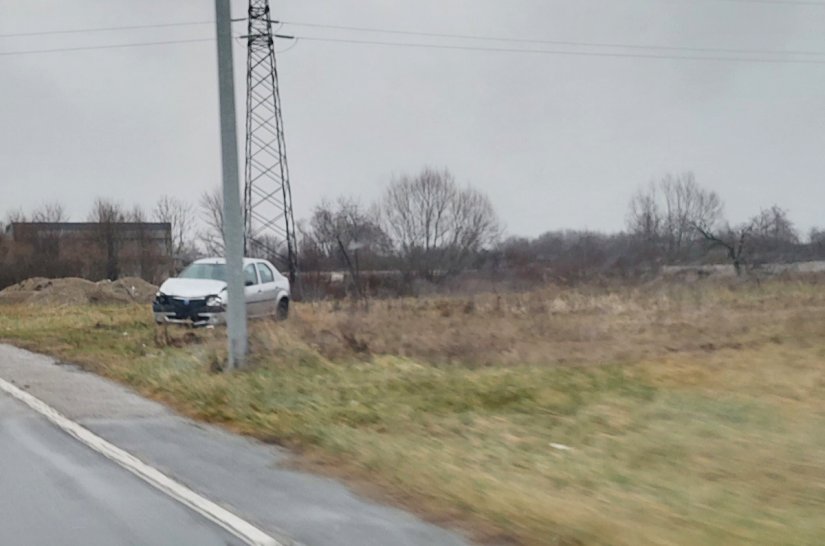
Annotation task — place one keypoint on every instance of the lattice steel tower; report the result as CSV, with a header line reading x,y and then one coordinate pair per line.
x,y
267,195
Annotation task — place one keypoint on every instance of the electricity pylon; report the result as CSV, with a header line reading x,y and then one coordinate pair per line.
x,y
269,222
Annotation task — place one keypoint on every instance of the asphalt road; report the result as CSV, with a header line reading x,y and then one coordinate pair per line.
x,y
54,490
253,480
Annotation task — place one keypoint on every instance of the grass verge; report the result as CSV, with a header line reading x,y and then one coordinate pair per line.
x,y
664,414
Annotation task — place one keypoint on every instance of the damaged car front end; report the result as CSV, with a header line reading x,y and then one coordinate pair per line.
x,y
202,311
197,297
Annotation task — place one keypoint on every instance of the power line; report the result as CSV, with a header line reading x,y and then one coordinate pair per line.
x,y
105,29
779,2
446,47
613,45
567,53
107,46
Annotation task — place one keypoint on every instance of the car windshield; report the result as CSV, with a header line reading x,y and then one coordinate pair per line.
x,y
204,271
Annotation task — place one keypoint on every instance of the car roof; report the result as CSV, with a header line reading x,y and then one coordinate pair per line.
x,y
246,261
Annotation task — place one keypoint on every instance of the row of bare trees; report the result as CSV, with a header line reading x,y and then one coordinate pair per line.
x,y
428,227
425,226
678,222
671,221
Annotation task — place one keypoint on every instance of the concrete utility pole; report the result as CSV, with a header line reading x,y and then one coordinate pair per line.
x,y
232,222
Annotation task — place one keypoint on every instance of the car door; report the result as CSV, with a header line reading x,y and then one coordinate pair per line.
x,y
269,290
252,291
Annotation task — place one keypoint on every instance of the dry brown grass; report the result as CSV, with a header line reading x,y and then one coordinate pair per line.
x,y
693,412
560,326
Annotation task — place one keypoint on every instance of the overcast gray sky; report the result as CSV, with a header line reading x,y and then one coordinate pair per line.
x,y
557,141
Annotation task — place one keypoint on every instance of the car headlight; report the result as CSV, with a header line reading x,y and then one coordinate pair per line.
x,y
160,297
214,301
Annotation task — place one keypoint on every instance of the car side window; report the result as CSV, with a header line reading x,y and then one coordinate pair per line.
x,y
265,273
250,277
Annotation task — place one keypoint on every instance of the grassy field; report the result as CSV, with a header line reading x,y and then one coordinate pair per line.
x,y
690,414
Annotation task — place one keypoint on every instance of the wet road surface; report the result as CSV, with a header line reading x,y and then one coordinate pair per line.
x,y
54,490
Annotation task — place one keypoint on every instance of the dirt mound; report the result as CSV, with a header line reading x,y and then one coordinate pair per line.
x,y
74,291
136,288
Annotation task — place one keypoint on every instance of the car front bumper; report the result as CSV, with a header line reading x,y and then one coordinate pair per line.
x,y
191,312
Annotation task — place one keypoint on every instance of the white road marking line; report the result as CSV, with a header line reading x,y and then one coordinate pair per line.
x,y
206,508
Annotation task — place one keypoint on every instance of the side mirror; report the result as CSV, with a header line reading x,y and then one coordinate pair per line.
x,y
249,283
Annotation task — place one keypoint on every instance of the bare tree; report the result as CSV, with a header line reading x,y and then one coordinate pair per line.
x,y
46,249
15,216
733,240
268,247
345,223
668,211
474,225
135,215
211,205
775,238
312,260
142,250
211,237
768,236
50,212
108,214
644,217
107,211
180,216
774,225
312,256
816,238
436,225
687,204
345,229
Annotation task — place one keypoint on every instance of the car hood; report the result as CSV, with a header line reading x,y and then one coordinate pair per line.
x,y
192,288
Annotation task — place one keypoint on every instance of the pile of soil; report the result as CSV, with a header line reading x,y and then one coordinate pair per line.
x,y
74,291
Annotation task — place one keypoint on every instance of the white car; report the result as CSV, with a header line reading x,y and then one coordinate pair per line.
x,y
198,295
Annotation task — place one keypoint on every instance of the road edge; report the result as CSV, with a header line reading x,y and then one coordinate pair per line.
x,y
179,492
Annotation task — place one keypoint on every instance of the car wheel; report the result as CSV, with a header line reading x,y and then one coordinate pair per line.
x,y
282,312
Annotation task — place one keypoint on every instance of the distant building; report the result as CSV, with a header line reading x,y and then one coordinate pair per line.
x,y
94,250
